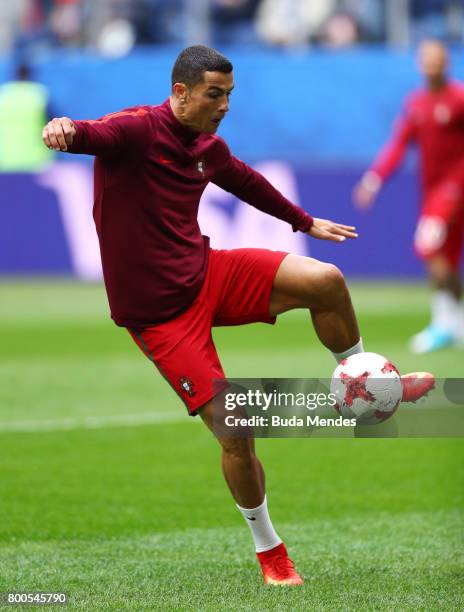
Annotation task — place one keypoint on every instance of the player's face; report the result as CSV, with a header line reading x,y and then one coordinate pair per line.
x,y
433,60
207,102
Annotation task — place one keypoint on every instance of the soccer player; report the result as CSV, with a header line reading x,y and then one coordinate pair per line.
x,y
169,288
433,119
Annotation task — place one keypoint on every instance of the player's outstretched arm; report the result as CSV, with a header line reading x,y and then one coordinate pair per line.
x,y
323,229
250,186
388,160
59,134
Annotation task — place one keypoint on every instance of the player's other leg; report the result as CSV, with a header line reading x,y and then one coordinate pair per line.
x,y
439,240
245,478
445,327
303,282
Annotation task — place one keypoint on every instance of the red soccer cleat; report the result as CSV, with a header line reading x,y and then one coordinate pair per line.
x,y
417,385
278,568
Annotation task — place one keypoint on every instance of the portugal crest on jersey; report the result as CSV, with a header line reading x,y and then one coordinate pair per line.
x,y
201,166
187,386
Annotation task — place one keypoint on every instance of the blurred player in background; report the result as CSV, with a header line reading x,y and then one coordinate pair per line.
x,y
169,288
24,108
433,119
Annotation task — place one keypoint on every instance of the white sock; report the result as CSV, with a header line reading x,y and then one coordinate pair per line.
x,y
260,525
445,310
354,350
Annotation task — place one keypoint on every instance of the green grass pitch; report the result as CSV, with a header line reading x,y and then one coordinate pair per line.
x,y
106,495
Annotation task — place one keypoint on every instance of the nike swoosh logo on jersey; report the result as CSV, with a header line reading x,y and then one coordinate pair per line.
x,y
163,160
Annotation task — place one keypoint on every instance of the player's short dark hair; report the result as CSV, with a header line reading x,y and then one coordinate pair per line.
x,y
194,61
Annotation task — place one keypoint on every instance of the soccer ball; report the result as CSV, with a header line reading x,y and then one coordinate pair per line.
x,y
367,387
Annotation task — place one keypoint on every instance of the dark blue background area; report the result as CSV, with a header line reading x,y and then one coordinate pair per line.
x,y
384,247
32,238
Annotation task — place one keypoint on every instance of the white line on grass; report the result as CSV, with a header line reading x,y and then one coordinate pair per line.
x,y
116,420
94,422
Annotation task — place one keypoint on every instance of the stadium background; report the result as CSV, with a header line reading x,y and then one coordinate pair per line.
x,y
99,497
314,119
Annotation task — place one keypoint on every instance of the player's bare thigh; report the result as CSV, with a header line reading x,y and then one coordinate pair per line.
x,y
304,282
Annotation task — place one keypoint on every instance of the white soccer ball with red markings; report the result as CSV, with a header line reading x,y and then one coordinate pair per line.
x,y
367,387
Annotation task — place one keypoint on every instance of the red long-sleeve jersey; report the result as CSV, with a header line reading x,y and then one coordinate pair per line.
x,y
434,121
150,173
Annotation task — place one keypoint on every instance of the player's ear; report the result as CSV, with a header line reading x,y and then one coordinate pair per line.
x,y
180,92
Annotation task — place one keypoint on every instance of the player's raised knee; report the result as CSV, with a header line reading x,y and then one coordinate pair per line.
x,y
329,282
333,275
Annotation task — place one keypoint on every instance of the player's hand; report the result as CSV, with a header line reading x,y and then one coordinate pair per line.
x,y
363,197
366,190
58,134
328,230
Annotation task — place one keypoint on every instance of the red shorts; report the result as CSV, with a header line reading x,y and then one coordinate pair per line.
x,y
440,230
236,290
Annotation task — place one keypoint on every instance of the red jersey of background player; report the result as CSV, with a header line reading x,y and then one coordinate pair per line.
x,y
434,120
